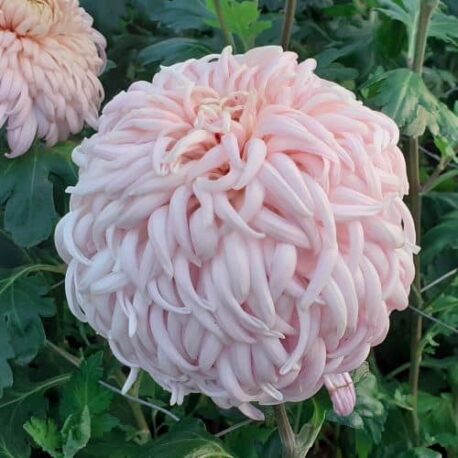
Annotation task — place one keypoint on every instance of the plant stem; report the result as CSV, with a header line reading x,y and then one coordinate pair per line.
x,y
413,170
144,431
290,11
233,428
287,436
433,178
228,37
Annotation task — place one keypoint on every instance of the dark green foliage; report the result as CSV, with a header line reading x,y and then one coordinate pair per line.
x,y
26,191
187,439
403,96
22,305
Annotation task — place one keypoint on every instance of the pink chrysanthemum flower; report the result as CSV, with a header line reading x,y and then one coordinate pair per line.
x,y
238,230
50,57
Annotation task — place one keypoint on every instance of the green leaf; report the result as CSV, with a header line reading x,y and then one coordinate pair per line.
x,y
187,439
98,9
446,440
24,390
440,237
6,353
363,444
437,414
420,452
244,441
102,424
26,191
76,432
403,96
16,408
271,449
46,435
445,147
113,445
444,27
405,11
275,5
84,391
310,431
329,68
22,304
172,50
179,15
242,19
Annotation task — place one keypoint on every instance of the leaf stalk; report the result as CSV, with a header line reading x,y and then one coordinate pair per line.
x,y
414,201
287,436
290,11
228,37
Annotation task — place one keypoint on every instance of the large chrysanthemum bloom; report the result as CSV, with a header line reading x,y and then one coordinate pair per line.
x,y
238,230
50,57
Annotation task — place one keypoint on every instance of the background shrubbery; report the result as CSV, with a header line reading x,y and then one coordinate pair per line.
x,y
48,404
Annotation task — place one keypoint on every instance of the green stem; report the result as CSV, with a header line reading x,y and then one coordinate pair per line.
x,y
432,180
144,431
287,436
414,200
290,11
56,269
297,422
228,37
426,11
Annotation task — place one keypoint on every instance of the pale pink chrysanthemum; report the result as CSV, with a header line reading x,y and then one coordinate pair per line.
x,y
50,57
238,230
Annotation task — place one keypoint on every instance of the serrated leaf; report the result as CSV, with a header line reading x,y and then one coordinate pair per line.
x,y
402,95
442,26
172,50
406,11
76,432
84,390
22,305
46,435
26,192
242,19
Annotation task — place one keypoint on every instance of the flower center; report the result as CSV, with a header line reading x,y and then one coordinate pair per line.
x,y
216,114
39,3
